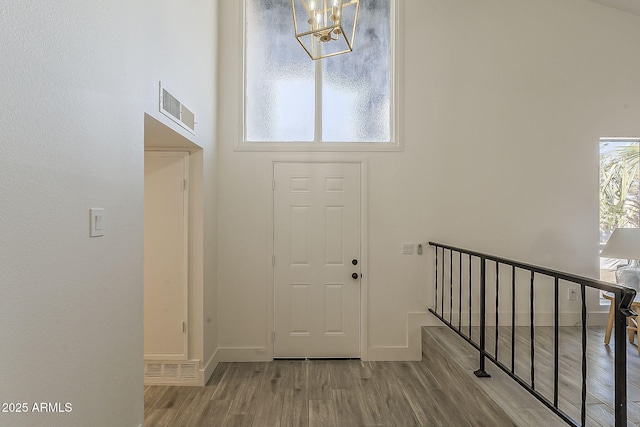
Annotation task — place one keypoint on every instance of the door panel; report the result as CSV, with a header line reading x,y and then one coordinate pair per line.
x,y
316,236
165,255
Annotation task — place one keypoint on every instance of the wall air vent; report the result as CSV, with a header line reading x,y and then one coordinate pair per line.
x,y
176,111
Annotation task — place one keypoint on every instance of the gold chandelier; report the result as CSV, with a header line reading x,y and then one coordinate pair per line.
x,y
327,27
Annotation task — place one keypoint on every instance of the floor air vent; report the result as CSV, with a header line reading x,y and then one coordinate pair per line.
x,y
153,370
188,371
170,371
176,111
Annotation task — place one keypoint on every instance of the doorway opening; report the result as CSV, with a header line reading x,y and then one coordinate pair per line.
x,y
185,367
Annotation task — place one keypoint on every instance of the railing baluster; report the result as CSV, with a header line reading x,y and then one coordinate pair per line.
x,y
513,319
556,326
470,300
460,294
583,410
482,373
533,342
436,293
450,286
497,301
444,259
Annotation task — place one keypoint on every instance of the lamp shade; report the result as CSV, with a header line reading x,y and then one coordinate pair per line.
x,y
624,243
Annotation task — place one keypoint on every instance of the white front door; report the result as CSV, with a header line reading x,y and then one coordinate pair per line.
x,y
317,260
165,255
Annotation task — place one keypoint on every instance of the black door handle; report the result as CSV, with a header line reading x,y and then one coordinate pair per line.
x,y
354,276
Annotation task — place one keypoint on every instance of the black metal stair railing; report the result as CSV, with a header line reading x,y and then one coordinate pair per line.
x,y
470,281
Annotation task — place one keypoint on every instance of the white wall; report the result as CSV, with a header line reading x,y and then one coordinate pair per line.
x,y
504,103
76,79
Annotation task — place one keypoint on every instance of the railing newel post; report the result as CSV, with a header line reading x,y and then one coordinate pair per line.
x,y
482,373
622,301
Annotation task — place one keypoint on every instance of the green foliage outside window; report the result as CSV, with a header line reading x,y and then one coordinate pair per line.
x,y
619,186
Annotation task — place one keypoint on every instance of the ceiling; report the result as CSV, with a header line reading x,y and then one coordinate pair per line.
x,y
631,6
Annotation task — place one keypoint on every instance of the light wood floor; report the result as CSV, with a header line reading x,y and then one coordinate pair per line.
x,y
435,392
520,405
439,391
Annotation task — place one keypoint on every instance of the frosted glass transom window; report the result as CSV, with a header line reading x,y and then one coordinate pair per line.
x,y
343,99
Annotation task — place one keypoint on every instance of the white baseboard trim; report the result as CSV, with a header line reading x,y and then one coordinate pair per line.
x,y
210,366
412,351
243,354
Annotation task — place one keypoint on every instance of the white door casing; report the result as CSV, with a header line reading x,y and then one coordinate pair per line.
x,y
165,255
317,264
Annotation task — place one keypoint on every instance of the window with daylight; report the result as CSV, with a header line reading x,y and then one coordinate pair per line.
x,y
619,195
343,101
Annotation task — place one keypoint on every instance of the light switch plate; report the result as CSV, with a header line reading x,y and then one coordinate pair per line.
x,y
97,222
407,249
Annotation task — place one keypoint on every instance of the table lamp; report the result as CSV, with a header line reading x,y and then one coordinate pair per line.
x,y
624,243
